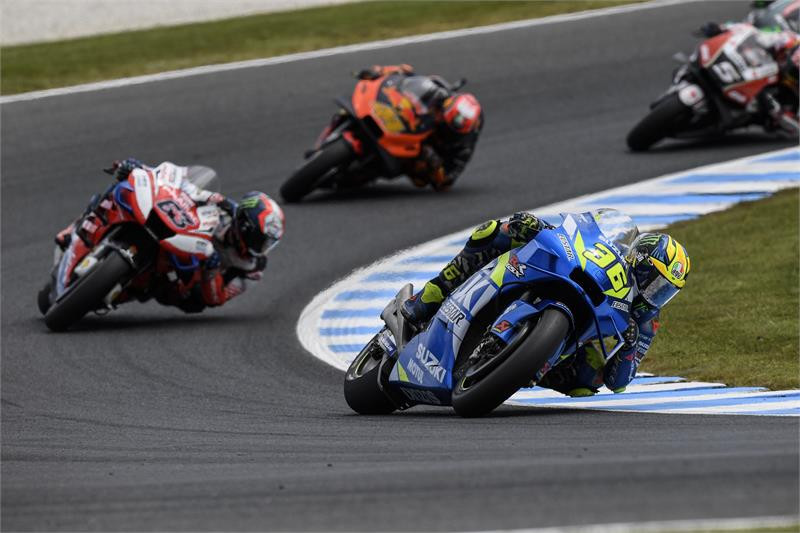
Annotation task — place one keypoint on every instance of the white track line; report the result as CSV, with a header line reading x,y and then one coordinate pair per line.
x,y
720,524
327,52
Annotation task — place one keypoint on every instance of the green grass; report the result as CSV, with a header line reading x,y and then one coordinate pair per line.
x,y
779,529
46,65
736,321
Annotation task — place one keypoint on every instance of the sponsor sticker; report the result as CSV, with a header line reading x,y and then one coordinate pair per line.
x,y
430,362
453,313
678,270
502,326
421,396
515,267
622,306
567,247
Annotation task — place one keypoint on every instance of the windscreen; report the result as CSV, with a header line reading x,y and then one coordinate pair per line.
x,y
203,177
617,227
426,91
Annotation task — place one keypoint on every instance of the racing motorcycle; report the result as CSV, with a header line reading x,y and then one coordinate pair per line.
x,y
506,325
376,134
146,232
715,90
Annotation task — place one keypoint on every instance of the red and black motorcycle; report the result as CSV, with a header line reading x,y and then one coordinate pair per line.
x,y
146,233
377,134
723,85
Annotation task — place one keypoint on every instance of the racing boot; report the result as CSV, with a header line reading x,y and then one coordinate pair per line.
x,y
421,307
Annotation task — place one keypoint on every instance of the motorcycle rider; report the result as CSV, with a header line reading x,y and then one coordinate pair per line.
x,y
659,267
775,15
459,120
247,232
784,47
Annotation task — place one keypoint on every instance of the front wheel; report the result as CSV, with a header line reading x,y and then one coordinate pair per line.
x,y
88,292
306,178
361,388
664,120
478,392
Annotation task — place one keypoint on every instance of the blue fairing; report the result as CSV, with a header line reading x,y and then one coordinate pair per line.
x,y
584,256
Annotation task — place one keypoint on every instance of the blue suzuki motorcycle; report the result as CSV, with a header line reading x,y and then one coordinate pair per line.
x,y
507,325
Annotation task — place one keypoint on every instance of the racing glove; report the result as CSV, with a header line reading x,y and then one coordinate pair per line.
x,y
122,169
631,335
523,226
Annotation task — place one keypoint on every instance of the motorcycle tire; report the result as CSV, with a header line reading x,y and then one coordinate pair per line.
x,y
43,298
664,120
306,178
516,370
88,292
361,389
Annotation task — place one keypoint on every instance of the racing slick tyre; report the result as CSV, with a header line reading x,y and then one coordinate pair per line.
x,y
306,178
43,298
664,120
361,389
88,292
476,394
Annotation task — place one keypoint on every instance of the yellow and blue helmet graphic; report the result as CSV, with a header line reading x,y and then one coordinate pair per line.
x,y
660,266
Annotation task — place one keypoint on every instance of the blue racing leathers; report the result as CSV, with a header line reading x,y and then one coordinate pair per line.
x,y
585,372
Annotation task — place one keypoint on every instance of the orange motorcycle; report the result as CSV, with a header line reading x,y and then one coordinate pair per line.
x,y
379,133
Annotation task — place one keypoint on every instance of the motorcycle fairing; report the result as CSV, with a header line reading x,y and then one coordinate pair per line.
x,y
519,311
404,123
740,66
427,361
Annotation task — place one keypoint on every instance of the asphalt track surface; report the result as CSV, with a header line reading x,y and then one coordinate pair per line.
x,y
149,419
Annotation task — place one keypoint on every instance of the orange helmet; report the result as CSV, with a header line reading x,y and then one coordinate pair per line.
x,y
462,113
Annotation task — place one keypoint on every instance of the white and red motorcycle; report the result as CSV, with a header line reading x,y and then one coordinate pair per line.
x,y
728,82
146,233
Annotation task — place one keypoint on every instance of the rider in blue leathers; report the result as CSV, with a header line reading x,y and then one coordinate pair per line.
x,y
659,266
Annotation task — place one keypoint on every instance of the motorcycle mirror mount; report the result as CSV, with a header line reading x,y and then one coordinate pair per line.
x,y
459,84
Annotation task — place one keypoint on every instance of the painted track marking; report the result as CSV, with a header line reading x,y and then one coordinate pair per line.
x,y
337,323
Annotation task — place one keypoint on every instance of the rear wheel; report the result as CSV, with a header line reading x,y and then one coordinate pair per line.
x,y
483,385
306,178
88,292
361,389
664,120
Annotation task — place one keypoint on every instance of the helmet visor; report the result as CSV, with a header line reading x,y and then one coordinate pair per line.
x,y
251,240
659,292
